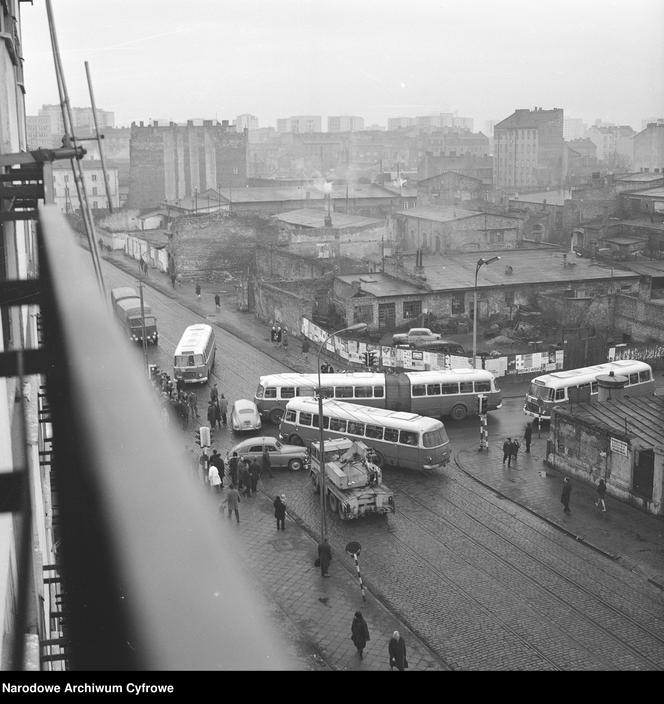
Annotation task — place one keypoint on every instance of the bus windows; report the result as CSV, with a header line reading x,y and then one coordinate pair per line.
x,y
406,437
328,391
374,431
343,392
355,428
560,394
466,387
434,438
449,389
316,423
391,435
378,391
304,391
482,386
287,392
271,392
593,387
433,389
419,390
634,378
363,392
644,376
338,425
290,416
305,418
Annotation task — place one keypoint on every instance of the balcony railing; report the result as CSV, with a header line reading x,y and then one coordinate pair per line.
x,y
146,568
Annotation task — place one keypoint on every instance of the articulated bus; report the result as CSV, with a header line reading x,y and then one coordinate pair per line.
x,y
397,438
195,354
450,392
550,390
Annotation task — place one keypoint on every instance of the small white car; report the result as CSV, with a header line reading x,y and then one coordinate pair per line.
x,y
416,336
294,457
245,416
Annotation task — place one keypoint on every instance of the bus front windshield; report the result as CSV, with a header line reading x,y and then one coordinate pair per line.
x,y
544,393
434,438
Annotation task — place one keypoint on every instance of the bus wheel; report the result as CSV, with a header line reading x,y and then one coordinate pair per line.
x,y
340,511
295,439
276,414
333,502
459,412
295,465
378,459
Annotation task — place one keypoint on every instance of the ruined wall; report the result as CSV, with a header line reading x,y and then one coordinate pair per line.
x,y
286,303
643,320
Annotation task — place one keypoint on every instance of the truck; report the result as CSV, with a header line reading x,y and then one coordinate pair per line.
x,y
353,483
127,309
415,337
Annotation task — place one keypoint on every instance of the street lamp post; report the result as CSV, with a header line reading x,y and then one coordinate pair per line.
x,y
321,480
480,263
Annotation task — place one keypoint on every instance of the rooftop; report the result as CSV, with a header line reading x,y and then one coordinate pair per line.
x,y
639,177
551,197
649,193
641,418
311,217
270,194
529,118
441,213
380,285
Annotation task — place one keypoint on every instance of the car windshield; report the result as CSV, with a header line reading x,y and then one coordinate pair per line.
x,y
542,392
434,438
246,411
278,444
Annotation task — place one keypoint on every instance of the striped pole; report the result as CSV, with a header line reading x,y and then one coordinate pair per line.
x,y
359,576
484,433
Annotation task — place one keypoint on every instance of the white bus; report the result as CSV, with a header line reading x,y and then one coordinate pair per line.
x,y
397,438
195,354
550,390
449,392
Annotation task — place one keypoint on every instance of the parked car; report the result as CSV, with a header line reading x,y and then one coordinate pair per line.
x,y
245,416
291,456
415,336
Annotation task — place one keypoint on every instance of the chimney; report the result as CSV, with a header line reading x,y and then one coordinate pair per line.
x,y
140,124
190,123
356,287
610,387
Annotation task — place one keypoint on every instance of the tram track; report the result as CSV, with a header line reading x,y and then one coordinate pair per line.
x,y
581,614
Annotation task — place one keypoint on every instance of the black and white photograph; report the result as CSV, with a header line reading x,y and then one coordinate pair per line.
x,y
331,339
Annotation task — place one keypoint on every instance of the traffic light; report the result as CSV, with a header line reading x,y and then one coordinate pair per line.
x,y
482,404
371,359
202,436
365,358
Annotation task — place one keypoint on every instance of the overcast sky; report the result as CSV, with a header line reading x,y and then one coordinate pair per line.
x,y
168,59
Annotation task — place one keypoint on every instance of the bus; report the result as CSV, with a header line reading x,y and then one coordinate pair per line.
x,y
449,392
397,438
195,354
550,390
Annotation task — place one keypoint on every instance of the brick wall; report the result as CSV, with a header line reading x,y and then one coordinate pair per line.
x,y
643,320
287,303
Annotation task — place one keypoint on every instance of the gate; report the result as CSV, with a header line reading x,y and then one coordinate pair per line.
x,y
386,315
644,474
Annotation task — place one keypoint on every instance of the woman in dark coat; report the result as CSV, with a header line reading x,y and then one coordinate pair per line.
x,y
359,632
397,651
280,511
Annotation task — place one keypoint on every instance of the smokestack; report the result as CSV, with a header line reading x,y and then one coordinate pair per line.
x,y
610,387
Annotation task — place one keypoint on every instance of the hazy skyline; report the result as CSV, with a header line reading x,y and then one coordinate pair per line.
x,y
150,59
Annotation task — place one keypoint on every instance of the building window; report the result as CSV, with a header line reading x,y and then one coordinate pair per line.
x,y
94,177
458,304
495,237
363,314
509,298
411,309
94,191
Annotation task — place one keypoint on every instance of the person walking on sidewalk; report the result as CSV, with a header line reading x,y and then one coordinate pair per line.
x,y
212,414
217,301
515,449
218,461
284,339
305,349
193,405
266,464
198,291
223,411
273,336
528,435
254,476
601,493
359,633
232,500
397,652
507,452
214,393
214,479
245,477
324,557
233,468
565,496
280,511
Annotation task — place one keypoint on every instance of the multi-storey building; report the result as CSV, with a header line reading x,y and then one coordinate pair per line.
x,y
574,128
246,121
46,129
400,123
345,123
300,123
649,149
64,188
170,161
529,150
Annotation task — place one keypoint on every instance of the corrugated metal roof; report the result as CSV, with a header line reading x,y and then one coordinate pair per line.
x,y
641,417
310,217
270,194
381,285
657,192
440,213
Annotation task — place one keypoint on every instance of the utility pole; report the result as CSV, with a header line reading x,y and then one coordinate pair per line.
x,y
99,138
145,342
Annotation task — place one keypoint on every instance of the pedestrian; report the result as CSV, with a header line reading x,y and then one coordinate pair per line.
x,y
507,452
515,449
233,468
277,335
359,632
179,384
223,410
193,406
217,414
212,414
198,291
203,463
173,280
214,480
330,369
254,474
567,491
273,336
245,477
528,435
266,464
324,557
217,301
232,500
601,493
284,339
218,461
305,349
280,511
397,652
323,368
214,393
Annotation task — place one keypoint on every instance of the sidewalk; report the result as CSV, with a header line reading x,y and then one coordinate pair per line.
x,y
314,612
624,533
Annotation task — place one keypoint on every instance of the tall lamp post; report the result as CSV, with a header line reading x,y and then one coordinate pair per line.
x,y
321,481
480,263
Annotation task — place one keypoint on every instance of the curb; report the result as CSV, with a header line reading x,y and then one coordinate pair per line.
x,y
551,522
